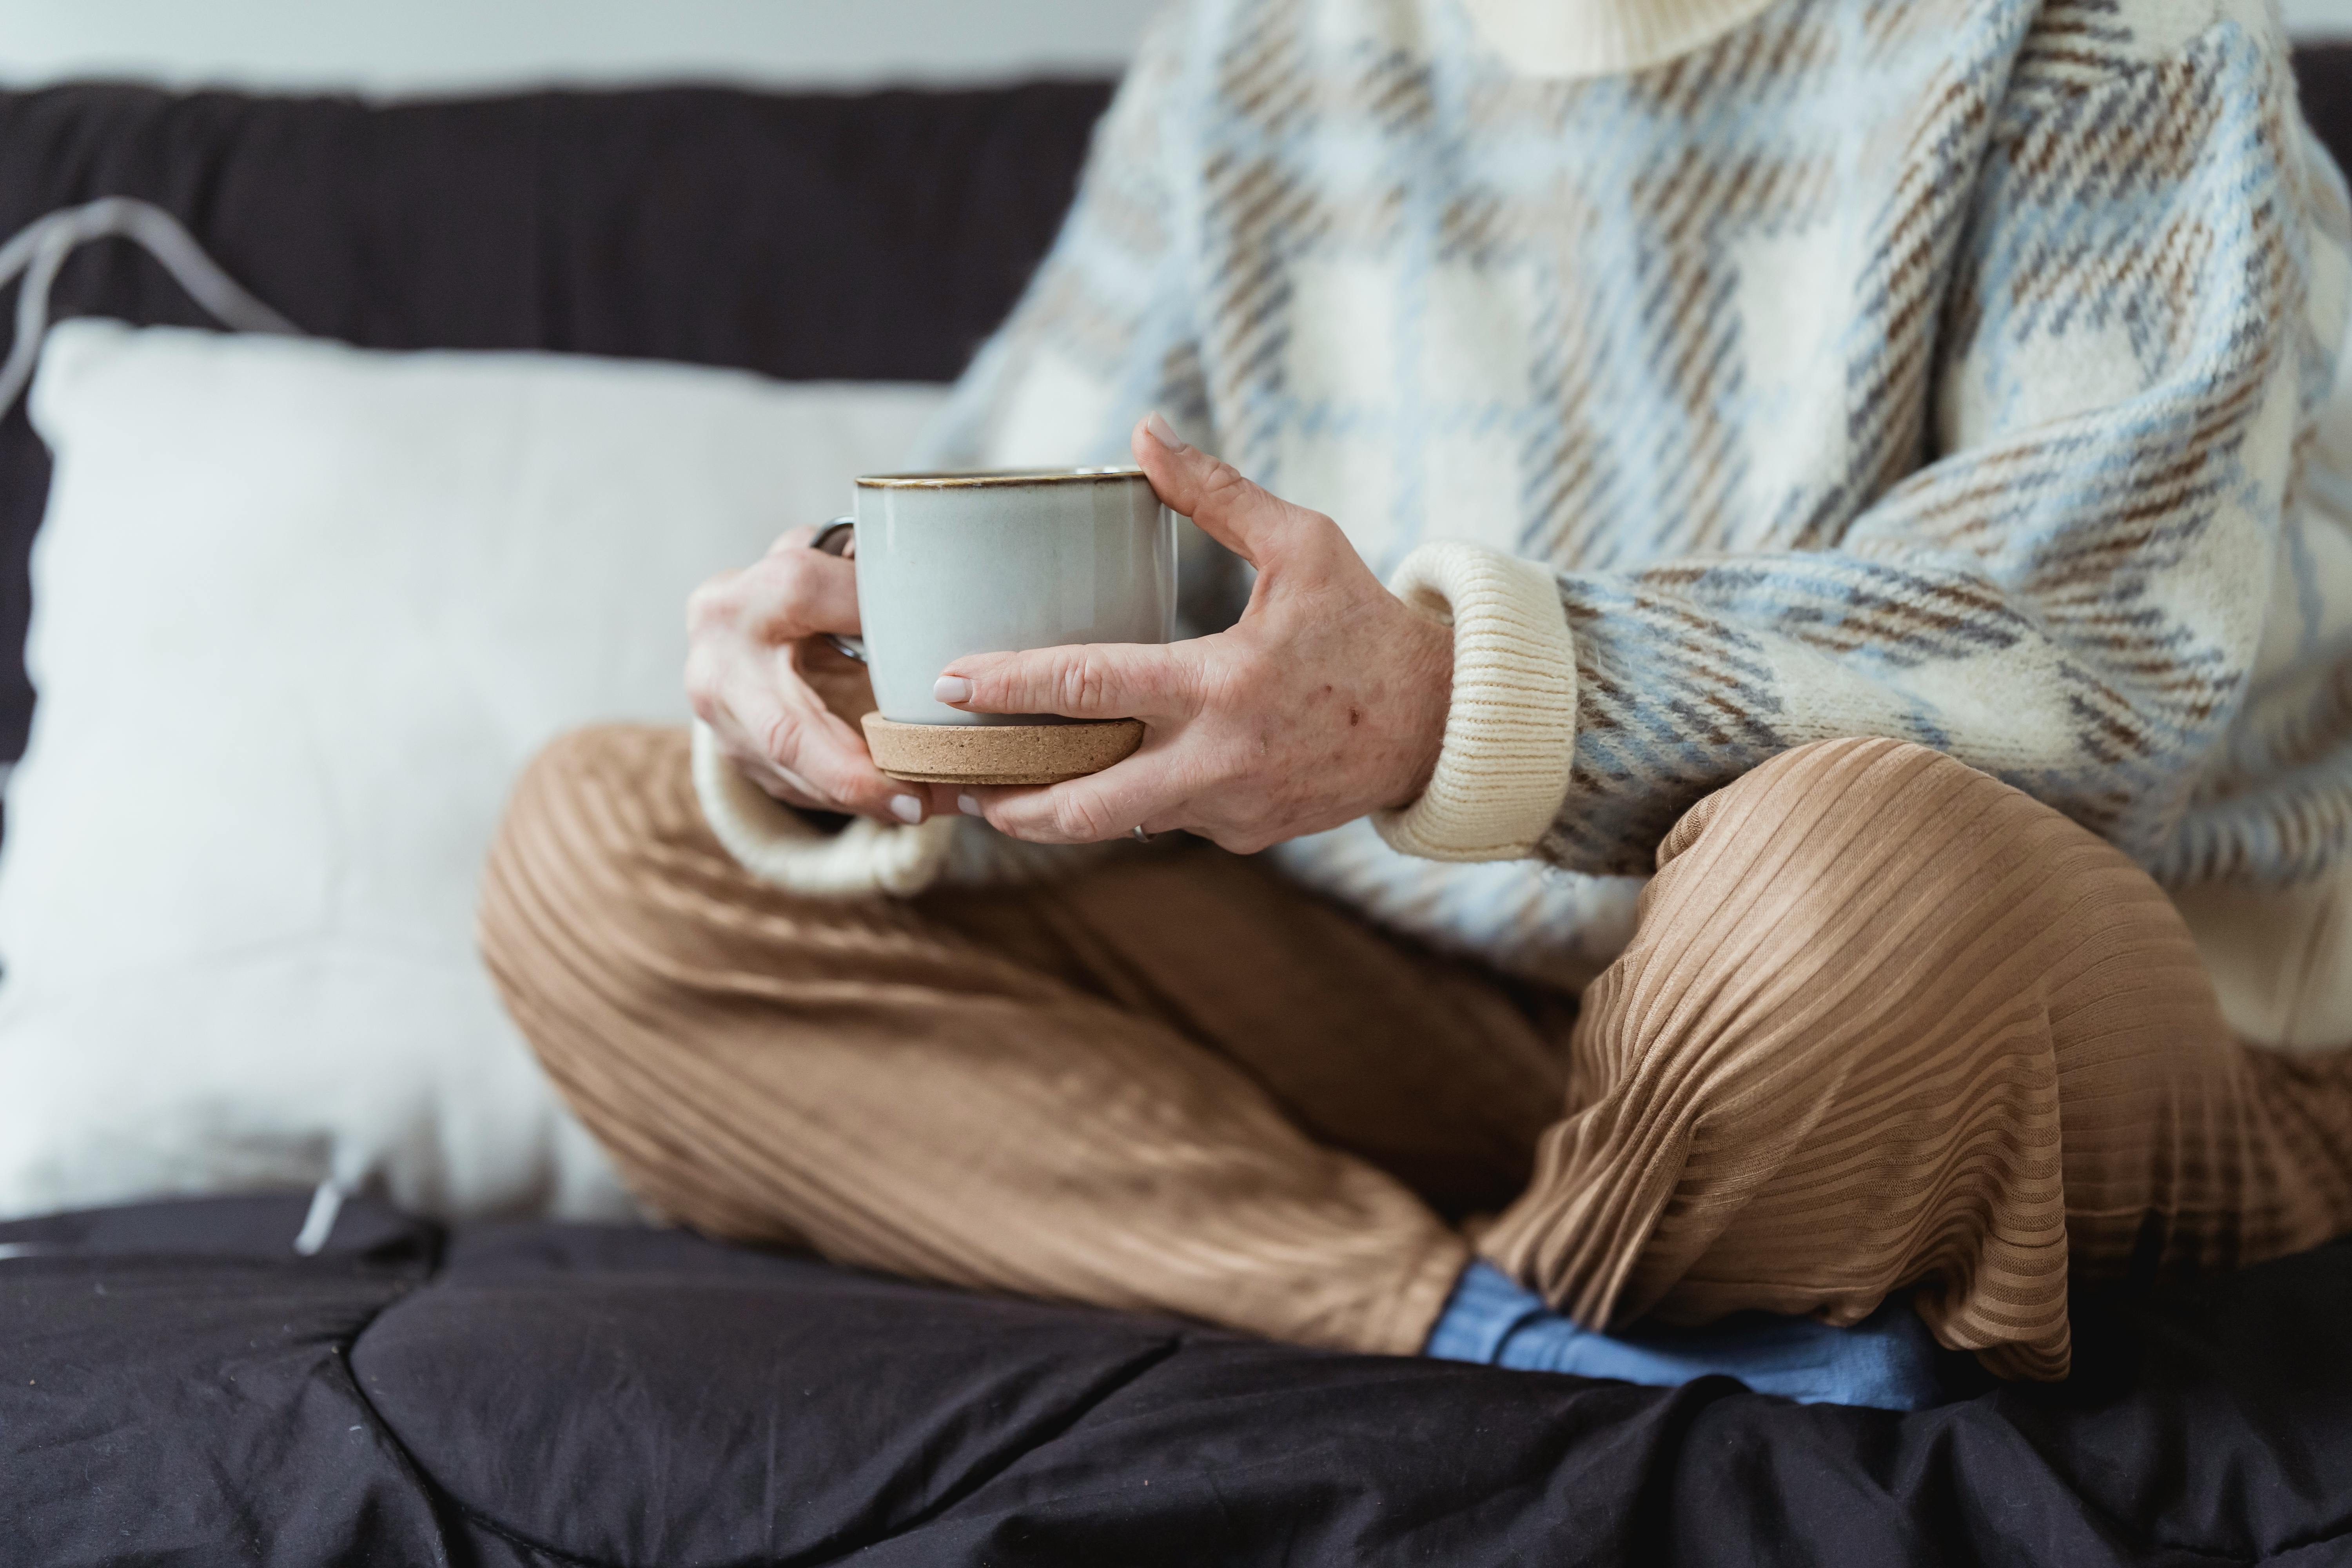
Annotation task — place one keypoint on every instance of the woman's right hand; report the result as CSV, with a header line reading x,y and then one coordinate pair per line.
x,y
783,703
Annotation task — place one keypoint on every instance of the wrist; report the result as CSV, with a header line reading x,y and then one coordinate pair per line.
x,y
1429,686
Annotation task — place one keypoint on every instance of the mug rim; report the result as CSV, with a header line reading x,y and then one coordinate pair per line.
x,y
973,478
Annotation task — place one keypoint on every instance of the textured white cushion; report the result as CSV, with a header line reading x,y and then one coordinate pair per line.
x,y
301,611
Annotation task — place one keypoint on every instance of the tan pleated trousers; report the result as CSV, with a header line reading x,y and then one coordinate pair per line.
x,y
1885,1021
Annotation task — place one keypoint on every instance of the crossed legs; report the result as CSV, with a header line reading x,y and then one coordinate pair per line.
x,y
1885,1021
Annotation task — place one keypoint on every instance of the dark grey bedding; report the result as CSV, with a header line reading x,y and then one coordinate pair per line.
x,y
178,1386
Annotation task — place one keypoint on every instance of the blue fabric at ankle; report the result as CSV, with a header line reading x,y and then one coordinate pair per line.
x,y
1887,1361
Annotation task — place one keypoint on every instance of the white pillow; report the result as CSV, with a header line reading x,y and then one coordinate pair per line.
x,y
301,613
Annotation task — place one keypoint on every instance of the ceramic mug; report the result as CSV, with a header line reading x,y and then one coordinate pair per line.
x,y
956,563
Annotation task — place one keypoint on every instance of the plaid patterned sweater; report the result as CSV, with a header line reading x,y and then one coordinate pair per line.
x,y
1937,369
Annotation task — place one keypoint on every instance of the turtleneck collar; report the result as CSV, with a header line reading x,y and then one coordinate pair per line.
x,y
1601,38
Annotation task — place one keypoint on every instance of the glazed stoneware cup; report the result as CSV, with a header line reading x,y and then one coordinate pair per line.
x,y
957,563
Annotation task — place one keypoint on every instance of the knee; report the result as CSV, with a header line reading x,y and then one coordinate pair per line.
x,y
1859,967
1868,822
1834,799
578,848
588,774
1870,855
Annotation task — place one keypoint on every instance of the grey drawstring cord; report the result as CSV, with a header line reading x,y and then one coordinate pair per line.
x,y
39,249
319,1224
318,1228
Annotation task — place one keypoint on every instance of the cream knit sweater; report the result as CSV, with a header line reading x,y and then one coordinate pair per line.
x,y
1732,375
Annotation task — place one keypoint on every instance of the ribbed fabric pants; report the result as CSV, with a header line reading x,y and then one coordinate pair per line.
x,y
1886,1022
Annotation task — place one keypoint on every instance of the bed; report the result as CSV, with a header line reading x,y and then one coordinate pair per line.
x,y
179,1383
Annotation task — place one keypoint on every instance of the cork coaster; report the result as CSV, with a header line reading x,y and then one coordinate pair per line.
x,y
998,753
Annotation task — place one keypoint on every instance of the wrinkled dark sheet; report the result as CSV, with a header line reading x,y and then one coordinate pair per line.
x,y
176,1385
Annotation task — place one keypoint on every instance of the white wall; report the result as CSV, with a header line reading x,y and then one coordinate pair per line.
x,y
408,47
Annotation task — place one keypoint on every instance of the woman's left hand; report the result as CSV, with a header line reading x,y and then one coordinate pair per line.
x,y
1327,701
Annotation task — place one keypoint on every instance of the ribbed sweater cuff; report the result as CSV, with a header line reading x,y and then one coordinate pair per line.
x,y
780,846
1510,733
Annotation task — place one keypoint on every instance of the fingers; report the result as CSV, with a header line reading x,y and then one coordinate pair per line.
x,y
746,632
1140,792
1235,512
804,592
781,783
783,595
787,742
1090,680
832,759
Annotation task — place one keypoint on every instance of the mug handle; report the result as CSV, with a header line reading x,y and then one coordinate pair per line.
x,y
834,539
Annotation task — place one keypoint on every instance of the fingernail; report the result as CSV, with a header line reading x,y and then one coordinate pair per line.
x,y
968,806
952,688
906,808
1163,431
